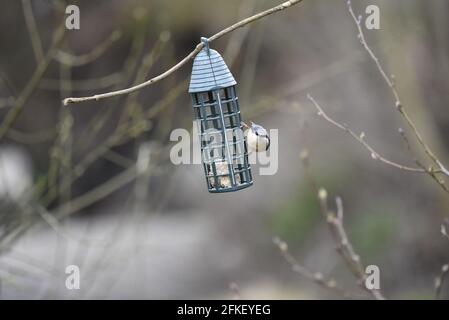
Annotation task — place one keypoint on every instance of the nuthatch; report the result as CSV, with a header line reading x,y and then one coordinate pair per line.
x,y
257,137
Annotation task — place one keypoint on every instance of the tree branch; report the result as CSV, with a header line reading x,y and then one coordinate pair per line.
x,y
316,277
32,30
83,59
189,57
344,246
361,139
23,97
444,231
398,103
338,232
439,281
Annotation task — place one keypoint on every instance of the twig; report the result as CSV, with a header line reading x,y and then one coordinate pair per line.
x,y
129,66
23,97
344,246
361,139
32,137
235,289
431,171
32,30
316,277
444,230
97,193
118,159
439,281
189,57
80,60
335,223
85,84
398,104
55,224
6,102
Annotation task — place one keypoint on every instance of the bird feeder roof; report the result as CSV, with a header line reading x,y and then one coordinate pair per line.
x,y
210,72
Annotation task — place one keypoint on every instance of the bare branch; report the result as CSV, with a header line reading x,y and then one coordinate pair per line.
x,y
235,289
316,277
361,139
189,57
76,61
97,193
430,170
344,246
398,104
23,97
32,30
85,84
439,281
6,102
444,230
336,227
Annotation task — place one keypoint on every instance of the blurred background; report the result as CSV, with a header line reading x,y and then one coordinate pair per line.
x,y
92,184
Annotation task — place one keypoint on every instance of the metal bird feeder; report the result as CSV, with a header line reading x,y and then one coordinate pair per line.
x,y
217,115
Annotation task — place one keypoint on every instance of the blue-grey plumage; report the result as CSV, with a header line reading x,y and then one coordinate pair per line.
x,y
257,137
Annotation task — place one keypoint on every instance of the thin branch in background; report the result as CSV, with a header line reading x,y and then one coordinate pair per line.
x,y
189,57
33,30
129,66
444,229
344,246
106,188
35,137
433,173
61,151
409,148
6,102
55,224
376,156
27,91
85,84
317,277
398,103
148,61
440,280
235,290
118,159
361,139
81,60
120,136
116,138
237,39
338,232
98,193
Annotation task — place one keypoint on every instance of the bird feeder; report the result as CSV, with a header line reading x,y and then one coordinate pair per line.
x,y
217,115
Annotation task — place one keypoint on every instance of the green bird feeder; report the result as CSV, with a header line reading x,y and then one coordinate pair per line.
x,y
224,151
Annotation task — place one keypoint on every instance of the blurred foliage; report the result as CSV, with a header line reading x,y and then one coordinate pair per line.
x,y
372,233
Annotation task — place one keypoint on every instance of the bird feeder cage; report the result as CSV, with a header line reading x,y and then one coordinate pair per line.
x,y
217,115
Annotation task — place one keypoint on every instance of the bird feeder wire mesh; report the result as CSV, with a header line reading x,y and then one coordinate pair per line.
x,y
217,114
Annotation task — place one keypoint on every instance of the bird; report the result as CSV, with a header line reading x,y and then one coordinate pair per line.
x,y
257,137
